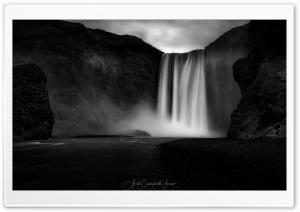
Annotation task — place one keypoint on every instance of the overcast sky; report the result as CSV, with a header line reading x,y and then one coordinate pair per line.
x,y
168,35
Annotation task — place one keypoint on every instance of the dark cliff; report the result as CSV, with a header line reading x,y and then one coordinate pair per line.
x,y
261,76
32,116
94,77
223,92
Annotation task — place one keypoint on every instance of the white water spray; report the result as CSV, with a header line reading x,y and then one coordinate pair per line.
x,y
182,93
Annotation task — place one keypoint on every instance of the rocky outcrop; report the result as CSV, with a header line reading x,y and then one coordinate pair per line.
x,y
32,116
223,92
261,76
94,77
141,133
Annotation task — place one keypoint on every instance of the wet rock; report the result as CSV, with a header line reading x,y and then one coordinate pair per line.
x,y
141,133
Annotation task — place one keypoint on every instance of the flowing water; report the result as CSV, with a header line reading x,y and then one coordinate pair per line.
x,y
182,92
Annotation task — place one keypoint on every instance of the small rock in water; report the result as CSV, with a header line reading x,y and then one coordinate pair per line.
x,y
141,133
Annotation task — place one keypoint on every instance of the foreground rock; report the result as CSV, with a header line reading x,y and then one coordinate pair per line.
x,y
261,76
32,116
141,133
94,77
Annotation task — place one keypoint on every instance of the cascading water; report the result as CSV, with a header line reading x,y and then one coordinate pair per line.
x,y
182,93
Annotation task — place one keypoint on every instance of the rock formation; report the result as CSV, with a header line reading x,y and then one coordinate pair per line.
x,y
261,76
32,116
141,133
223,93
94,77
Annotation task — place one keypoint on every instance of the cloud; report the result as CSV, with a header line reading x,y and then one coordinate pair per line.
x,y
168,35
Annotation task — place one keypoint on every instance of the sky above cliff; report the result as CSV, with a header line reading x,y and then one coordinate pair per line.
x,y
168,35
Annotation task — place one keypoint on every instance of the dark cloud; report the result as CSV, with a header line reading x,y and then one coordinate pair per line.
x,y
168,35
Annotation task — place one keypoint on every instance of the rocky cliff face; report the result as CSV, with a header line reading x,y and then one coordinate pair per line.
x,y
32,116
261,76
223,92
94,77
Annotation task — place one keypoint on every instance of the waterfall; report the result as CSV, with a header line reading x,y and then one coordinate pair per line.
x,y
182,92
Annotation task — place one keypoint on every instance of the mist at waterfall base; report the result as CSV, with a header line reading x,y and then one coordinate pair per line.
x,y
182,103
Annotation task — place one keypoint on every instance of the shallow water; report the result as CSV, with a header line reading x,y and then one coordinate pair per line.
x,y
86,163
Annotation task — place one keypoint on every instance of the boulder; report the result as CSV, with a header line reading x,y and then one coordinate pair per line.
x,y
141,133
